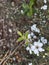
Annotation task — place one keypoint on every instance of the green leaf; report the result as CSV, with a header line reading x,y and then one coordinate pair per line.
x,y
29,13
26,35
32,2
28,8
20,39
19,33
25,6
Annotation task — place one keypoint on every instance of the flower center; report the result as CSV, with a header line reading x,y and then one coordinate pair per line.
x,y
37,47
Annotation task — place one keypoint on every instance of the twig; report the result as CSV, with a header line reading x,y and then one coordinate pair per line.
x,y
4,57
4,62
10,54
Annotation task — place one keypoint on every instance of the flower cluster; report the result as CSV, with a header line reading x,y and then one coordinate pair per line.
x,y
36,46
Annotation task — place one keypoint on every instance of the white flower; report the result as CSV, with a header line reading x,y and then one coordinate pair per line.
x,y
44,7
34,28
45,1
37,47
44,41
30,64
29,36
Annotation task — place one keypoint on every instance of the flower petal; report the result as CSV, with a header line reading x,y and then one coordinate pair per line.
x,y
27,48
36,52
41,49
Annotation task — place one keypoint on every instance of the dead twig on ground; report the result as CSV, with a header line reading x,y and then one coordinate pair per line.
x,y
5,59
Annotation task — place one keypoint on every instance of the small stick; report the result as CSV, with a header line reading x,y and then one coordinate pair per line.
x,y
4,57
10,54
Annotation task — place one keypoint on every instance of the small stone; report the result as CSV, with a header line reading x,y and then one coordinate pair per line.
x,y
12,4
14,58
45,1
7,16
10,30
22,12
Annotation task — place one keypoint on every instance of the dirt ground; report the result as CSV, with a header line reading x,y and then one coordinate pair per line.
x,y
12,52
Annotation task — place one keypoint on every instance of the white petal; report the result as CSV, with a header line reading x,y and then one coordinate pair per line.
x,y
34,37
41,49
32,48
35,43
36,52
44,7
40,44
32,34
37,30
42,38
33,27
30,51
29,36
27,48
44,41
